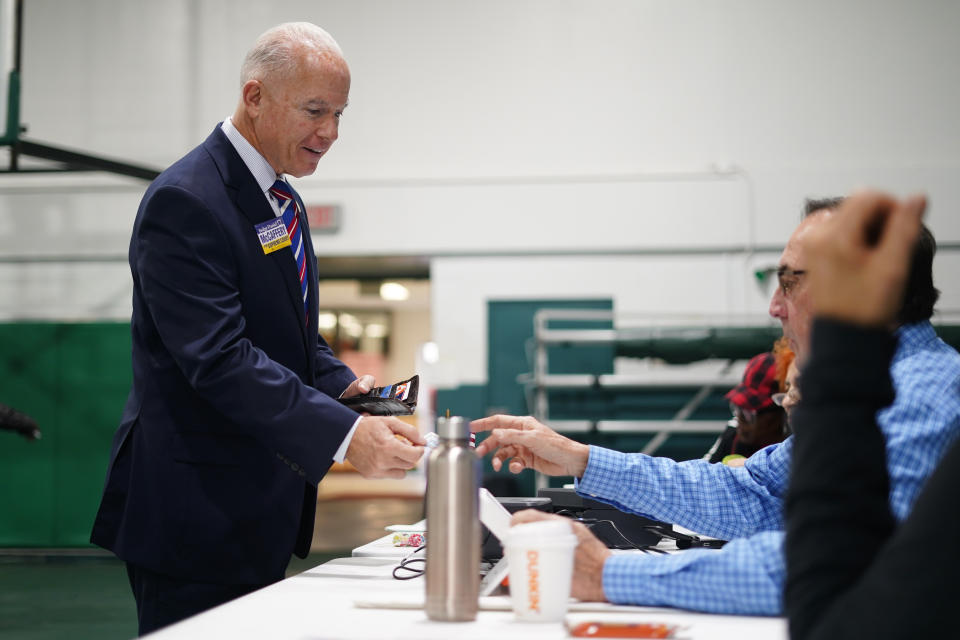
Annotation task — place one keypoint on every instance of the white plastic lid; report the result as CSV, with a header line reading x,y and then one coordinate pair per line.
x,y
543,533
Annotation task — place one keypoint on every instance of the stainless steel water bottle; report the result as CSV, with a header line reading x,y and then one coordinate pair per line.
x,y
453,524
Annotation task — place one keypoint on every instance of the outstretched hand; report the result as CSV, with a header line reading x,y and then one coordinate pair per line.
x,y
377,451
528,444
860,257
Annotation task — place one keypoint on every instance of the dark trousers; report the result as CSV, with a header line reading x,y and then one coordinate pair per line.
x,y
163,600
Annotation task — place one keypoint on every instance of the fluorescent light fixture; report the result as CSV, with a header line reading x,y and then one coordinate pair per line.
x,y
351,325
375,330
327,321
394,291
430,352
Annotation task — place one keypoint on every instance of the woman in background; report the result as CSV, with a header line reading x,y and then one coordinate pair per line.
x,y
758,420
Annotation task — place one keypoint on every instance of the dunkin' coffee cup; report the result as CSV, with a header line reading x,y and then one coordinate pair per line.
x,y
540,558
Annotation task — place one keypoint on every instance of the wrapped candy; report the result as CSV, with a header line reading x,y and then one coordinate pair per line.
x,y
408,539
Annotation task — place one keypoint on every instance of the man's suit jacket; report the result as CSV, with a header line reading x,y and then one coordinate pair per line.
x,y
231,420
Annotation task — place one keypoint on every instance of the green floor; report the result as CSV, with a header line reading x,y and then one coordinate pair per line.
x,y
57,597
46,595
65,597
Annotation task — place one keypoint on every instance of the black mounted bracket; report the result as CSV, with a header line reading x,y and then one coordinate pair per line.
x,y
66,159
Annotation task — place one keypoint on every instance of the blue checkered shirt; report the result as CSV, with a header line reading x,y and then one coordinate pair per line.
x,y
745,504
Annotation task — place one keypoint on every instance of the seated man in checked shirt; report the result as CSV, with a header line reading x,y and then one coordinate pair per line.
x,y
745,505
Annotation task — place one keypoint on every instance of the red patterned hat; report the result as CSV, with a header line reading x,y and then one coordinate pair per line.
x,y
758,384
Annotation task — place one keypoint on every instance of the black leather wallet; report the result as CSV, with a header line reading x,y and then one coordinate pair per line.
x,y
398,399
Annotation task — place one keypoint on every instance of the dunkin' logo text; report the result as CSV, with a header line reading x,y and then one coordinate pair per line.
x,y
533,580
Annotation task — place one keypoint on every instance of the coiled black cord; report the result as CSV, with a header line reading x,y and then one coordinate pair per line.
x,y
407,565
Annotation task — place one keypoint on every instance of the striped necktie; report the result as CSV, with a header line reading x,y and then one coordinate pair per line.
x,y
289,210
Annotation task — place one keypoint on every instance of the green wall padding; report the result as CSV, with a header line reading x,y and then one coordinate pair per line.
x,y
510,340
73,379
684,345
466,400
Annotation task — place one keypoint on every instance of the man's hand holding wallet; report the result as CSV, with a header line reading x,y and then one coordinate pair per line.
x,y
375,449
398,399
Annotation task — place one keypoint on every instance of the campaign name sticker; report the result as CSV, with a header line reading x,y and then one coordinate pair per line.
x,y
273,235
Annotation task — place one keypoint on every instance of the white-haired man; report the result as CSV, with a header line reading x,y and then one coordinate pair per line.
x,y
232,417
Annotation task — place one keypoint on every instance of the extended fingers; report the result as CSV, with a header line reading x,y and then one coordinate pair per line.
x,y
408,431
903,227
516,457
862,216
501,421
501,442
497,438
407,454
490,443
497,460
365,383
390,440
532,515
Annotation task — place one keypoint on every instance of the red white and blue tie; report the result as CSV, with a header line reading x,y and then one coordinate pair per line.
x,y
289,210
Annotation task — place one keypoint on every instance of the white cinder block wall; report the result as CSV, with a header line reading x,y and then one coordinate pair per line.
x,y
607,138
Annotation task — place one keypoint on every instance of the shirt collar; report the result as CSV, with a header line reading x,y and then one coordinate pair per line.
x,y
262,172
913,337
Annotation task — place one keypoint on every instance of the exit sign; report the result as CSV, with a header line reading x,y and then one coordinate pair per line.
x,y
323,218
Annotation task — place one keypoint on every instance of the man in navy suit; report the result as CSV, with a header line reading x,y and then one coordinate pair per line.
x,y
233,418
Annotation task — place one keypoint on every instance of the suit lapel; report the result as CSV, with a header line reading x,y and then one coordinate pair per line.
x,y
251,201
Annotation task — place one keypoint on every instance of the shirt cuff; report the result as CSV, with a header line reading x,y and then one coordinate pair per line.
x,y
602,464
624,576
341,453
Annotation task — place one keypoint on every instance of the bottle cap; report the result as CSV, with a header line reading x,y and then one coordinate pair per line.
x,y
453,428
